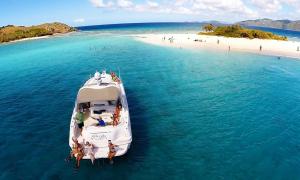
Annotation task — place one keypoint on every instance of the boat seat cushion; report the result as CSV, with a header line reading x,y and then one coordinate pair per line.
x,y
90,122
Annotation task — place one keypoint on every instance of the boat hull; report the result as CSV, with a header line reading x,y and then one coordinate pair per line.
x,y
119,135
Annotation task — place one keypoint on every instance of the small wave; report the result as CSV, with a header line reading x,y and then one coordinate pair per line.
x,y
274,68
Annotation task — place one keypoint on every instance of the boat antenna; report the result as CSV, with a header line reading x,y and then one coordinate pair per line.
x,y
119,72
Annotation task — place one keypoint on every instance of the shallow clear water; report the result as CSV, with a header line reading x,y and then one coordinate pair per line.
x,y
173,27
195,114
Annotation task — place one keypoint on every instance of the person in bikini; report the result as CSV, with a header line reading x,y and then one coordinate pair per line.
x,y
74,149
116,116
77,152
79,155
115,119
112,151
90,151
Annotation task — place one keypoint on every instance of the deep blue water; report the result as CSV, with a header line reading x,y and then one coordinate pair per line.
x,y
195,114
146,27
292,35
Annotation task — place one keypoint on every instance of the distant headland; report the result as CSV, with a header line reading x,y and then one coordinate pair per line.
x,y
269,23
12,33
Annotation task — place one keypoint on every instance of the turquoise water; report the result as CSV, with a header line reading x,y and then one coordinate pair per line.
x,y
173,27
195,114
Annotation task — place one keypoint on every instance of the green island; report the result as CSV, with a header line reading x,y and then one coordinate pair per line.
x,y
238,31
10,32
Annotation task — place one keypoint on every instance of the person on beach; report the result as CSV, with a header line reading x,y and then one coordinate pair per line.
x,y
171,39
218,41
89,150
228,48
112,151
260,48
298,49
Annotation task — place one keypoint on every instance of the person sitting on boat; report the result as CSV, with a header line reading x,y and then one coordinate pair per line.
x,y
112,151
101,122
114,77
74,149
115,119
90,151
116,116
79,119
76,143
79,155
77,152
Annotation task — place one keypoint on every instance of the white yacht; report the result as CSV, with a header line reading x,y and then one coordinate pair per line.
x,y
103,105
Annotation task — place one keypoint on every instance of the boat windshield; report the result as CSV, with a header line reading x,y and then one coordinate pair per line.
x,y
89,94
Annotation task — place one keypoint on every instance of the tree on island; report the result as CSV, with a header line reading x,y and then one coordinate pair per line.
x,y
238,31
208,27
11,33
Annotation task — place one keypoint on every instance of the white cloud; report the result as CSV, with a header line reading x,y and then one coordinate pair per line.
x,y
211,9
152,4
180,2
269,6
101,4
124,3
79,20
233,6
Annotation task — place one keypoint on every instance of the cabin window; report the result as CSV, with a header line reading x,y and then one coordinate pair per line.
x,y
98,111
84,105
112,103
99,105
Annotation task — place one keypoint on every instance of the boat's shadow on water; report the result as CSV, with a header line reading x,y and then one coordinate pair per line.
x,y
140,140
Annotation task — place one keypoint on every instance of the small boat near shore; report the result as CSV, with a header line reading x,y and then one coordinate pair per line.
x,y
102,104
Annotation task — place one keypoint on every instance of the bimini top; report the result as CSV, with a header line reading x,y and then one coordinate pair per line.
x,y
94,93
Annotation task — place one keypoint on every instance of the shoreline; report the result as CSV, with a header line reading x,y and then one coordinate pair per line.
x,y
27,39
195,41
36,38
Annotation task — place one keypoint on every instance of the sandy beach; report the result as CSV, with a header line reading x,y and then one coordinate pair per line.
x,y
27,39
35,38
194,41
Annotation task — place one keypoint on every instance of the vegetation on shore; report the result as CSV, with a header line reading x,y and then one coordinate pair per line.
x,y
238,31
11,33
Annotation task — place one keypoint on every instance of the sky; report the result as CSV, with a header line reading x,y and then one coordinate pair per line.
x,y
95,12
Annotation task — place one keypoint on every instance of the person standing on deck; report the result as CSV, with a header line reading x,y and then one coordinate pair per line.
x,y
79,119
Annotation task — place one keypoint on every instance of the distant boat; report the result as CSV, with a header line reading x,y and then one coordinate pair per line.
x,y
103,104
